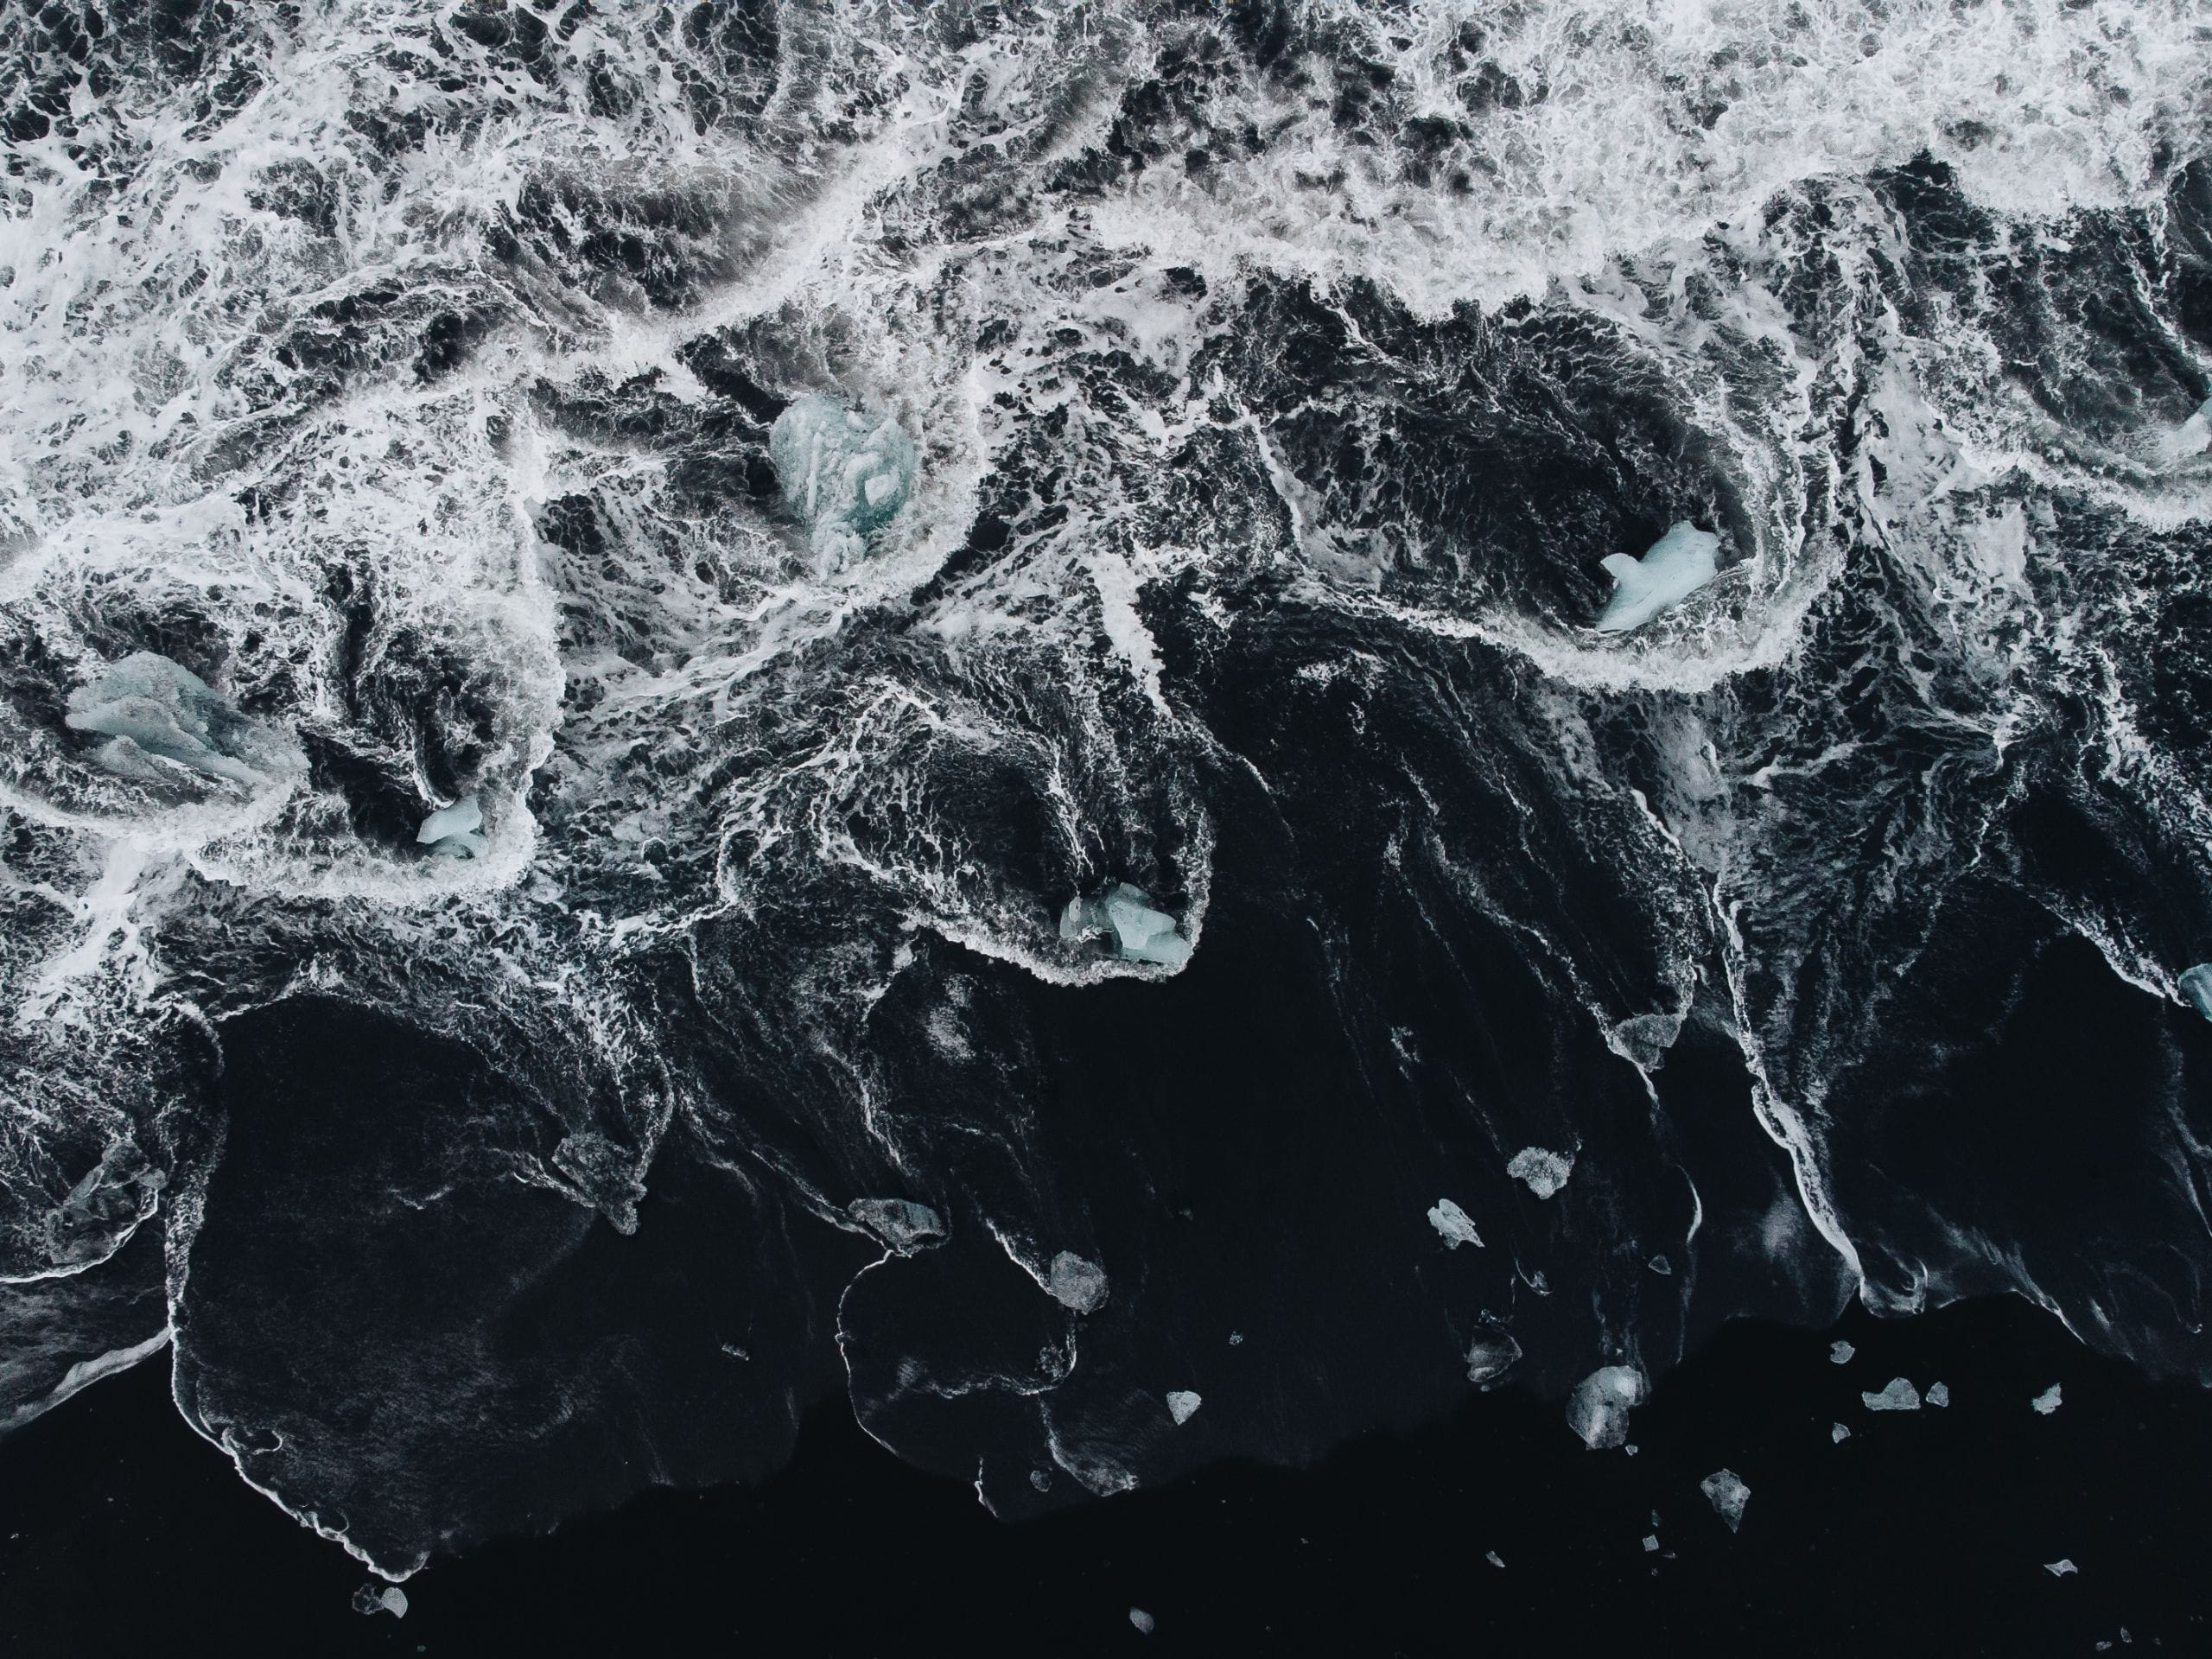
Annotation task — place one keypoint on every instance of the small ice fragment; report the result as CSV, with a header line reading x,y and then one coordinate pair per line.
x,y
464,818
1939,1394
1490,1355
1839,1353
1494,1558
2196,986
1900,1396
1650,1543
1728,1495
899,1223
1544,1172
1076,1283
373,1598
1675,567
1040,1480
1659,1264
1183,1405
2060,1568
1630,1448
1236,1338
2047,1402
1455,1224
1598,1410
1838,1433
1144,1622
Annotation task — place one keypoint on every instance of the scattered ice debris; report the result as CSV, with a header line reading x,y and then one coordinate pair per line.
x,y
451,831
1494,1558
1140,933
1145,1621
2060,1568
1939,1394
1839,1353
152,709
1659,1265
1900,1396
1236,1338
374,1597
903,1225
1598,1410
1675,567
1076,1283
1455,1224
1650,1543
735,1352
1543,1173
844,473
1724,1489
1490,1355
2048,1401
1838,1433
1183,1405
2196,986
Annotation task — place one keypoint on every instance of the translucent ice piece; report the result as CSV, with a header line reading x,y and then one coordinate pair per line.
x,y
1838,1433
1145,1621
1598,1410
1490,1355
1900,1396
1455,1224
1677,566
154,708
899,1223
1939,1394
1839,1353
464,818
381,1598
1140,932
2196,986
1543,1172
845,473
2047,1402
1183,1405
2060,1568
1077,1284
1728,1495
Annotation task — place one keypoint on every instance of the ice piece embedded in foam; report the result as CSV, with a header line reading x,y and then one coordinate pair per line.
x,y
1183,1405
451,831
1455,1224
1543,1173
2196,986
1728,1495
1125,913
154,709
1900,1396
1598,1410
1677,566
1075,1283
845,473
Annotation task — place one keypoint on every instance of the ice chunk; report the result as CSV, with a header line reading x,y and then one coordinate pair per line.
x,y
1140,932
1677,566
2190,438
1598,1410
899,1223
1725,1491
1076,1283
1494,1559
2047,1402
2060,1568
1650,1543
1839,1353
1490,1355
451,831
846,475
154,709
1838,1433
1662,1266
1939,1394
1183,1405
1455,1224
2196,986
1544,1172
1236,1338
1900,1396
374,1597
1145,1621
1040,1480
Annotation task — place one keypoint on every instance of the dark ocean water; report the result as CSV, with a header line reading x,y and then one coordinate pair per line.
x,y
709,709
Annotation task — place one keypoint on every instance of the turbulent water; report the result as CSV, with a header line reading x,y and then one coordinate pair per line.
x,y
1255,390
